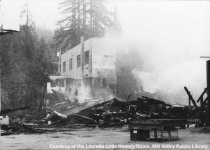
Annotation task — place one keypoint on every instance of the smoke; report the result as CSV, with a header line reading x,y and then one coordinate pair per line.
x,y
158,70
84,93
167,38
161,44
171,81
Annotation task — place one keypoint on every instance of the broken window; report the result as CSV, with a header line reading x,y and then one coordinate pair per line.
x,y
78,61
87,57
64,66
70,64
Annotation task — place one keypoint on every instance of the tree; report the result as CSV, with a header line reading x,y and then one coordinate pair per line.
x,y
26,66
87,18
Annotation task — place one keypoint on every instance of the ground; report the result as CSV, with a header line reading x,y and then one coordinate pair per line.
x,y
112,138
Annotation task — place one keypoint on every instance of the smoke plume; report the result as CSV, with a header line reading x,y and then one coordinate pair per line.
x,y
170,36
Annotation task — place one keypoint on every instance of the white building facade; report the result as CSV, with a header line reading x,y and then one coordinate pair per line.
x,y
96,66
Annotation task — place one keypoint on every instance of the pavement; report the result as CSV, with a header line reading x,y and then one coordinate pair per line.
x,y
95,138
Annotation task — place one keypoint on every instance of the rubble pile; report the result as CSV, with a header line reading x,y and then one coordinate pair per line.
x,y
114,112
109,113
23,121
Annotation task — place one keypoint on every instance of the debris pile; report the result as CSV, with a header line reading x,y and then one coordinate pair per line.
x,y
108,113
23,121
114,112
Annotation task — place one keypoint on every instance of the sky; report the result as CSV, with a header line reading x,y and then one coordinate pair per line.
x,y
45,13
170,35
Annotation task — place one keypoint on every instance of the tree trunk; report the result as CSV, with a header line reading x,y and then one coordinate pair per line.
x,y
42,105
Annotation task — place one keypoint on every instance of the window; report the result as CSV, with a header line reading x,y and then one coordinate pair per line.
x,y
78,61
87,57
64,66
70,64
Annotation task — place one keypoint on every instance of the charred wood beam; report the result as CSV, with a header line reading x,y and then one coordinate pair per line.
x,y
190,97
200,99
85,117
205,90
60,114
12,110
205,102
154,101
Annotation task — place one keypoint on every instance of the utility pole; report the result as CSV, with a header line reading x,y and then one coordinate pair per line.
x,y
208,91
0,84
208,88
0,87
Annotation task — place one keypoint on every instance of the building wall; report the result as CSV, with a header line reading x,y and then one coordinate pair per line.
x,y
99,79
101,60
75,72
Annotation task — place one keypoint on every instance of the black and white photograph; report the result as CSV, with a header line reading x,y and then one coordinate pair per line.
x,y
104,74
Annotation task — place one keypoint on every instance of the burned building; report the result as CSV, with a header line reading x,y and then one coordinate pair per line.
x,y
89,68
102,65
